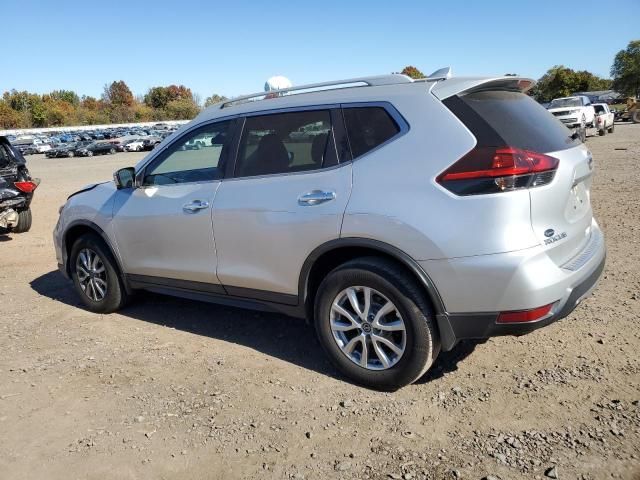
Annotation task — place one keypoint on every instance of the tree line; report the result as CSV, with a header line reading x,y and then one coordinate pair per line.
x,y
117,104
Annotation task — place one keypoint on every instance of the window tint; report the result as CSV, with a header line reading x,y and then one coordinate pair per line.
x,y
196,157
599,108
368,127
284,142
499,118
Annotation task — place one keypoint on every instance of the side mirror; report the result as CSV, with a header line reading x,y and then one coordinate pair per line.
x,y
125,178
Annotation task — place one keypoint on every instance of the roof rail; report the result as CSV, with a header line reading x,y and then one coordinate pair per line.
x,y
374,81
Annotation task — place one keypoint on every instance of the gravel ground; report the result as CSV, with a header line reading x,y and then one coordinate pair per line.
x,y
171,388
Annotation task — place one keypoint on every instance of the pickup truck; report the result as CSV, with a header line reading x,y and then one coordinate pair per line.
x,y
573,111
604,118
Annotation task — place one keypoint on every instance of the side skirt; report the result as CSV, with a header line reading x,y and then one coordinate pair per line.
x,y
212,293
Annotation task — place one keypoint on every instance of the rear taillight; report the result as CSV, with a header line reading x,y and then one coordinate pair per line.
x,y
525,316
26,186
498,169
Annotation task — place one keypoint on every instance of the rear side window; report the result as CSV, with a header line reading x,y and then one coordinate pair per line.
x,y
368,128
286,142
499,118
599,108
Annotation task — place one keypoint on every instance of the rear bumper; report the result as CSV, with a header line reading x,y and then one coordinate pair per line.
x,y
525,282
483,325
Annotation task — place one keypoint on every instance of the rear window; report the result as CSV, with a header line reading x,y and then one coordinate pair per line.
x,y
500,118
599,108
368,127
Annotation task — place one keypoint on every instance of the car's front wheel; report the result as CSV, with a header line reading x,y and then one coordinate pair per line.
x,y
95,275
375,324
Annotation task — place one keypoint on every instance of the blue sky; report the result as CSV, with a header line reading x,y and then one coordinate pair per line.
x,y
231,48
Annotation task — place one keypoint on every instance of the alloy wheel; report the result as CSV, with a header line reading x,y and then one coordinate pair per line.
x,y
92,274
368,328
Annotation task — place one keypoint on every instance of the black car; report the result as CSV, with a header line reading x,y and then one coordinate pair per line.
x,y
65,150
95,149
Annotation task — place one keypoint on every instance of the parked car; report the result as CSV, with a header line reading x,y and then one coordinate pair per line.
x,y
394,243
96,148
16,190
134,146
64,150
604,118
573,111
150,143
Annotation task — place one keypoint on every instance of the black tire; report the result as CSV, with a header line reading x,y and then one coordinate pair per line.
x,y
612,128
24,221
116,296
422,339
89,153
112,151
71,154
602,132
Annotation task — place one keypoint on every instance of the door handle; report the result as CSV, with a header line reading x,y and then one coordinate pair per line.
x,y
195,206
315,197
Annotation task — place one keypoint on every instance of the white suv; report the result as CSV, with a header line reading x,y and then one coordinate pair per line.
x,y
397,216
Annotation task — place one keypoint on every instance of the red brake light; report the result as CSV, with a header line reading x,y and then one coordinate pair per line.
x,y
496,169
524,316
26,186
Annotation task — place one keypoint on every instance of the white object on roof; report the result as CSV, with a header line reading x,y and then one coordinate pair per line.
x,y
277,83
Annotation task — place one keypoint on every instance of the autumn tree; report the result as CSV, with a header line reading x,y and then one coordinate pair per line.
x,y
412,72
118,94
626,70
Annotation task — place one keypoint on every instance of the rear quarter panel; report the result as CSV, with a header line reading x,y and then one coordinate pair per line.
x,y
395,198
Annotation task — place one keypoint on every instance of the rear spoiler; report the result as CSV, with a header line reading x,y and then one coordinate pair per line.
x,y
457,85
13,152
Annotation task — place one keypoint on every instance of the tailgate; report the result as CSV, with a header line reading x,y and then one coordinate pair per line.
x,y
561,213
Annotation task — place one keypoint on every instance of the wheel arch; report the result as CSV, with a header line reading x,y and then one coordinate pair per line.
x,y
79,228
329,255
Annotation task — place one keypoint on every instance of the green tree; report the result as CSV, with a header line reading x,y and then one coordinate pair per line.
x,y
626,70
68,96
159,97
183,109
412,72
213,99
561,81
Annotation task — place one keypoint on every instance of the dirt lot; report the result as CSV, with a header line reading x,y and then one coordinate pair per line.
x,y
174,389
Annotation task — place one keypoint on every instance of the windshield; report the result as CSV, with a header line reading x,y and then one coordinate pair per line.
x,y
565,102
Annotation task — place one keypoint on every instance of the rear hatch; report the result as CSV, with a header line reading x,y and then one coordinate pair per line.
x,y
506,118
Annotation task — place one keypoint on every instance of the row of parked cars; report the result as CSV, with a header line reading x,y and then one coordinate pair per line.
x,y
92,142
91,148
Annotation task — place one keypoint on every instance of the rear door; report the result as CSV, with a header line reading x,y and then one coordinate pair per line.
x,y
287,197
561,214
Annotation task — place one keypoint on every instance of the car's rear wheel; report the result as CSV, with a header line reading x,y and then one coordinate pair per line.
x,y
89,153
24,221
95,275
612,128
71,154
602,132
112,151
375,324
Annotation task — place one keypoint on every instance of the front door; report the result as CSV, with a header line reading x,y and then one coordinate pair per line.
x,y
164,228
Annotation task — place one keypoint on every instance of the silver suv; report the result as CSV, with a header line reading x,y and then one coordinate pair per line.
x,y
397,216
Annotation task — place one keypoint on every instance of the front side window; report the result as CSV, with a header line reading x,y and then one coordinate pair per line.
x,y
285,142
195,157
368,127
